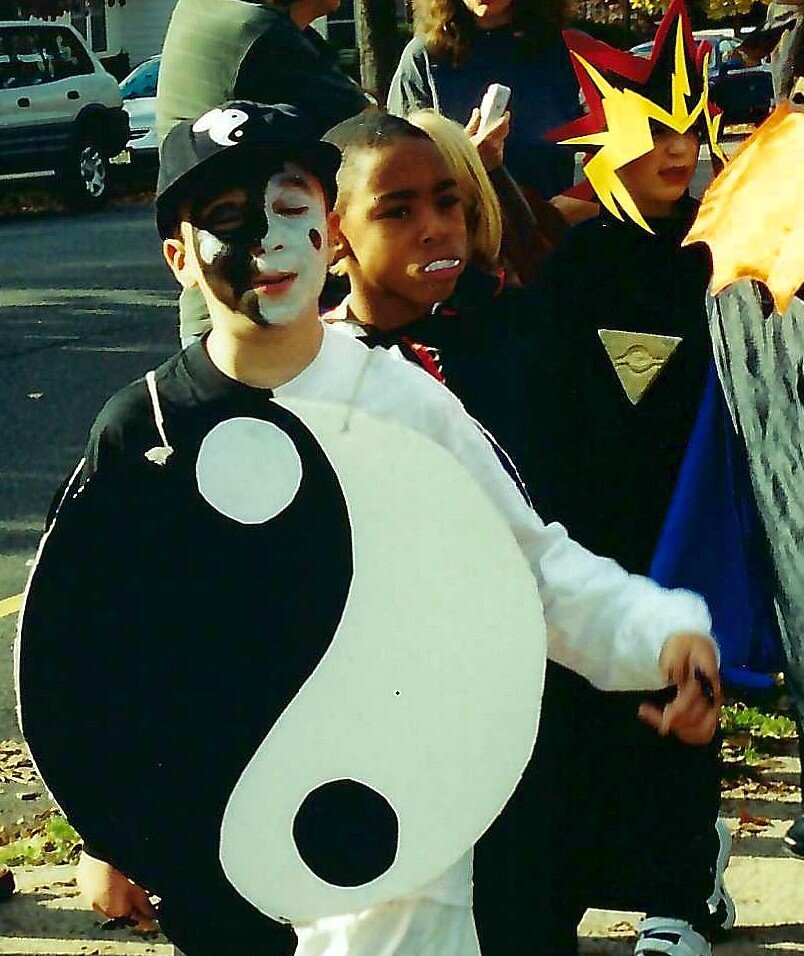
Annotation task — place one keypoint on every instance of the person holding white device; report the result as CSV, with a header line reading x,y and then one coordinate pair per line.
x,y
461,47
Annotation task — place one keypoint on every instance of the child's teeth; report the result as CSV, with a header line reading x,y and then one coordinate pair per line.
x,y
441,264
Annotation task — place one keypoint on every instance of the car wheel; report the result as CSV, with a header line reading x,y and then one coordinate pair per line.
x,y
85,178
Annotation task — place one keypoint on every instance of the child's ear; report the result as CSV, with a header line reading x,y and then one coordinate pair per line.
x,y
175,253
339,247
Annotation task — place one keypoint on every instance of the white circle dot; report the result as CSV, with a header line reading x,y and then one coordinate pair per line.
x,y
248,470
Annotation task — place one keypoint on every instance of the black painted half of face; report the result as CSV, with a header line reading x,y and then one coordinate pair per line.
x,y
225,234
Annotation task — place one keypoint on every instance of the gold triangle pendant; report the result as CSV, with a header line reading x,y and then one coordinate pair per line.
x,y
637,357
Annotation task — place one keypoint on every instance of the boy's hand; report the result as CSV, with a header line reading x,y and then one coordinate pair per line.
x,y
491,144
112,894
690,662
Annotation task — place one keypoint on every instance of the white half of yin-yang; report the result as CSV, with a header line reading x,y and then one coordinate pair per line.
x,y
430,691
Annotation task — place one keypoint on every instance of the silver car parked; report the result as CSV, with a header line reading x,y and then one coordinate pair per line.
x,y
61,113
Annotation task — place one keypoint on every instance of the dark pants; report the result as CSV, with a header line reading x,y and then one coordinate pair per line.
x,y
236,930
608,814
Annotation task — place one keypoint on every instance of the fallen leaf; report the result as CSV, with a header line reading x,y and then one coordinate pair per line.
x,y
748,819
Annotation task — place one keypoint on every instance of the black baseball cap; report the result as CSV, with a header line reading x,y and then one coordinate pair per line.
x,y
236,137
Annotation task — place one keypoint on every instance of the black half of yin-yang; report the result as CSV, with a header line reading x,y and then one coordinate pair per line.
x,y
162,637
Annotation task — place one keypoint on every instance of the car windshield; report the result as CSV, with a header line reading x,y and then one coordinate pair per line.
x,y
141,82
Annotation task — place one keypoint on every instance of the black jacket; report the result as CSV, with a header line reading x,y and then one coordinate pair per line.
x,y
478,342
252,51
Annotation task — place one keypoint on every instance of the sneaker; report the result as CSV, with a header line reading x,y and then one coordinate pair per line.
x,y
662,936
794,838
721,906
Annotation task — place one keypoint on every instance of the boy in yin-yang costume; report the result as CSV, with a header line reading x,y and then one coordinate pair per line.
x,y
208,559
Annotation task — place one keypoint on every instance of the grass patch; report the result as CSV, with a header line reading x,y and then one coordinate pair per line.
x,y
49,838
742,719
752,756
752,735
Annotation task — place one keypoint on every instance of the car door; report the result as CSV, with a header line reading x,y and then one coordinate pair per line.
x,y
10,75
79,78
34,115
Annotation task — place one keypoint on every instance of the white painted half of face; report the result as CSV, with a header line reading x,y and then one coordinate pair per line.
x,y
296,243
248,469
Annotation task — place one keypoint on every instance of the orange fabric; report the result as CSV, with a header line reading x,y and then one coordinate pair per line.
x,y
752,216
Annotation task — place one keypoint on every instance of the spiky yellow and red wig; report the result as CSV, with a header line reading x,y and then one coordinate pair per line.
x,y
624,93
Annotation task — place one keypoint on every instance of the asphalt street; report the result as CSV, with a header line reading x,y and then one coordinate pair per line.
x,y
86,305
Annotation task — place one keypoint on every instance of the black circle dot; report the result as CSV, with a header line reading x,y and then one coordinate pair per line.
x,y
346,833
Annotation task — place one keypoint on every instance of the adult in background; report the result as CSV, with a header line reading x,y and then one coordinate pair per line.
x,y
256,50
462,46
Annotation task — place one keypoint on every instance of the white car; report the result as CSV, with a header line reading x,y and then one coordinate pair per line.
x,y
138,90
61,113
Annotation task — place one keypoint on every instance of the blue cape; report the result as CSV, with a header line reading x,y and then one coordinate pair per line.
x,y
712,542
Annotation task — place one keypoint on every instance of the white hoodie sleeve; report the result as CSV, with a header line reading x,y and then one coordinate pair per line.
x,y
602,622
605,624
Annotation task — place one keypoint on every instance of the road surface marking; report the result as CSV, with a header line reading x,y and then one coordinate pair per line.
x,y
10,605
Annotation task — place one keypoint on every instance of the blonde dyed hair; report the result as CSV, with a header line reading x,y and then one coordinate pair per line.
x,y
480,203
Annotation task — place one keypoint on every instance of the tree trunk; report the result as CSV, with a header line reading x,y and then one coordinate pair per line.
x,y
378,40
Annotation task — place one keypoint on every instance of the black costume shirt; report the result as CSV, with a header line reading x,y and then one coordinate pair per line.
x,y
603,466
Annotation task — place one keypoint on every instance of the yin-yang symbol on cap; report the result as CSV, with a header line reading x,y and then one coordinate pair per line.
x,y
224,127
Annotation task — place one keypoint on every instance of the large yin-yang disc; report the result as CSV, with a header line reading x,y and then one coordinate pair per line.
x,y
173,613
428,697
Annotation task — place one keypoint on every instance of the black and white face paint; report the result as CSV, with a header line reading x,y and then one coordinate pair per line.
x,y
263,252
